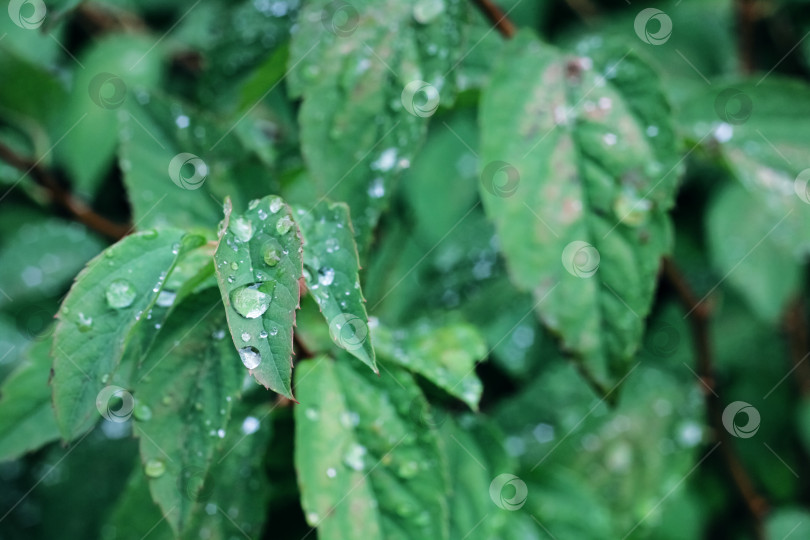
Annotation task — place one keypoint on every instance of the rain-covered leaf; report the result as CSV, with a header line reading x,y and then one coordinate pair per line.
x,y
370,76
135,516
165,182
258,265
183,397
108,301
368,464
578,168
237,484
26,414
331,273
445,355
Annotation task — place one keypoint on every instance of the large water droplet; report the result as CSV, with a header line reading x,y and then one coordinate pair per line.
x,y
120,294
166,298
250,357
241,228
271,252
154,468
142,412
284,224
250,301
275,205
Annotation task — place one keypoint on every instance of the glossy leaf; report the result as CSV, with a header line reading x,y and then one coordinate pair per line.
x,y
258,265
578,168
361,122
444,355
332,277
102,310
183,398
368,465
26,414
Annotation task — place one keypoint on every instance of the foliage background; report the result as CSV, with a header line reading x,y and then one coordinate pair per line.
x,y
622,439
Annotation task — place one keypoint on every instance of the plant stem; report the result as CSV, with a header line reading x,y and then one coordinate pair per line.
x,y
796,328
80,210
700,314
496,15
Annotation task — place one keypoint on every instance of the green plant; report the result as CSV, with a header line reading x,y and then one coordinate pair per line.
x,y
434,270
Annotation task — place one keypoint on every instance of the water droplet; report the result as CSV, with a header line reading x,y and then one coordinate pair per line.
x,y
245,337
253,204
275,205
312,414
271,252
234,265
332,245
263,334
221,433
142,412
331,472
218,334
313,519
250,357
241,228
376,189
426,11
85,323
120,294
284,224
250,301
354,457
154,468
631,210
326,276
166,298
408,469
250,425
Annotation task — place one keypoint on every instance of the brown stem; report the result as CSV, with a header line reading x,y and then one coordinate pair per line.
x,y
700,314
796,327
59,195
496,15
746,15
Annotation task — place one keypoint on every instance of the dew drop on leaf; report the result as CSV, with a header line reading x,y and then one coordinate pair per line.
x,y
154,468
142,412
120,294
284,224
326,276
249,301
241,228
271,252
166,298
275,205
85,322
250,357
354,457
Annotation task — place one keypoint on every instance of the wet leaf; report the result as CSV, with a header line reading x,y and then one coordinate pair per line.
x,y
332,277
258,265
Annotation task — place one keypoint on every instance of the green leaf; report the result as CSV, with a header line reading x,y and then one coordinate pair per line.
x,y
26,414
331,271
103,308
183,403
446,356
756,258
366,466
258,265
579,167
46,255
237,483
352,65
114,68
135,516
165,181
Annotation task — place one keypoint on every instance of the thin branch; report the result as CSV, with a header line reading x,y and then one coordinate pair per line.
x,y
497,17
699,318
59,195
796,328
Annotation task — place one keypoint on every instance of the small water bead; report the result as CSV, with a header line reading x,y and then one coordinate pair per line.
x,y
354,458
241,228
275,205
271,252
312,414
154,468
262,214
142,412
234,265
221,433
377,189
263,334
284,224
218,334
331,472
250,357
85,322
120,294
245,337
166,298
253,204
326,276
332,245
251,301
